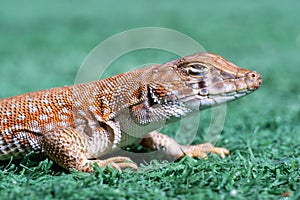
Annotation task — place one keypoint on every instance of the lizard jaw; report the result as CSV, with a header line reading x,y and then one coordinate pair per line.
x,y
222,91
248,83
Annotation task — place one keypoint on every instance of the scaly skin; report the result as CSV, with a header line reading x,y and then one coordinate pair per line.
x,y
76,125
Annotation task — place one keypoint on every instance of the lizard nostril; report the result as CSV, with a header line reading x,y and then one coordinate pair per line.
x,y
259,81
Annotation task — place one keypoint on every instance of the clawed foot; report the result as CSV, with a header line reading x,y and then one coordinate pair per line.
x,y
117,163
201,150
120,163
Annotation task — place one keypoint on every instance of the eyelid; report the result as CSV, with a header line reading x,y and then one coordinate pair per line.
x,y
197,69
198,66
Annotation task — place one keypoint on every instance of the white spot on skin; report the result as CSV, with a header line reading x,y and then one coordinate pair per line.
x,y
48,109
81,112
49,127
70,99
34,144
104,100
64,124
32,108
61,103
17,126
92,108
43,117
63,117
58,97
35,126
76,103
21,117
4,120
34,123
65,110
45,101
37,129
106,111
7,113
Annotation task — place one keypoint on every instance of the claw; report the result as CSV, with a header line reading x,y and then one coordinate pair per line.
x,y
201,150
118,163
220,151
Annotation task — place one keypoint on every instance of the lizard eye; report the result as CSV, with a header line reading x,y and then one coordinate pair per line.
x,y
197,69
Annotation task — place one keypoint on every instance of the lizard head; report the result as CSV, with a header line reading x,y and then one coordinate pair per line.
x,y
208,79
192,83
203,80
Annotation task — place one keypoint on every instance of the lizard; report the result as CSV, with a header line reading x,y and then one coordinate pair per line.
x,y
76,125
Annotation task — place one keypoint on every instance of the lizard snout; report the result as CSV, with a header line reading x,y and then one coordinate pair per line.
x,y
254,80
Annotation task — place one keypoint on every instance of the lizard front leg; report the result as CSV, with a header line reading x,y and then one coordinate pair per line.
x,y
73,149
158,141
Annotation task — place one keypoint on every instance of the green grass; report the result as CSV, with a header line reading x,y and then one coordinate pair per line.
x,y
43,44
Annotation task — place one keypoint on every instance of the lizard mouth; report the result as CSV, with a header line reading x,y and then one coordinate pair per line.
x,y
248,83
223,91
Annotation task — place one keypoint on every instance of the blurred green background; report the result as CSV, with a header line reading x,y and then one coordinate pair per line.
x,y
43,43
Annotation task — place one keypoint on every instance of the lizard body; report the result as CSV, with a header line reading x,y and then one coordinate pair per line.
x,y
75,125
